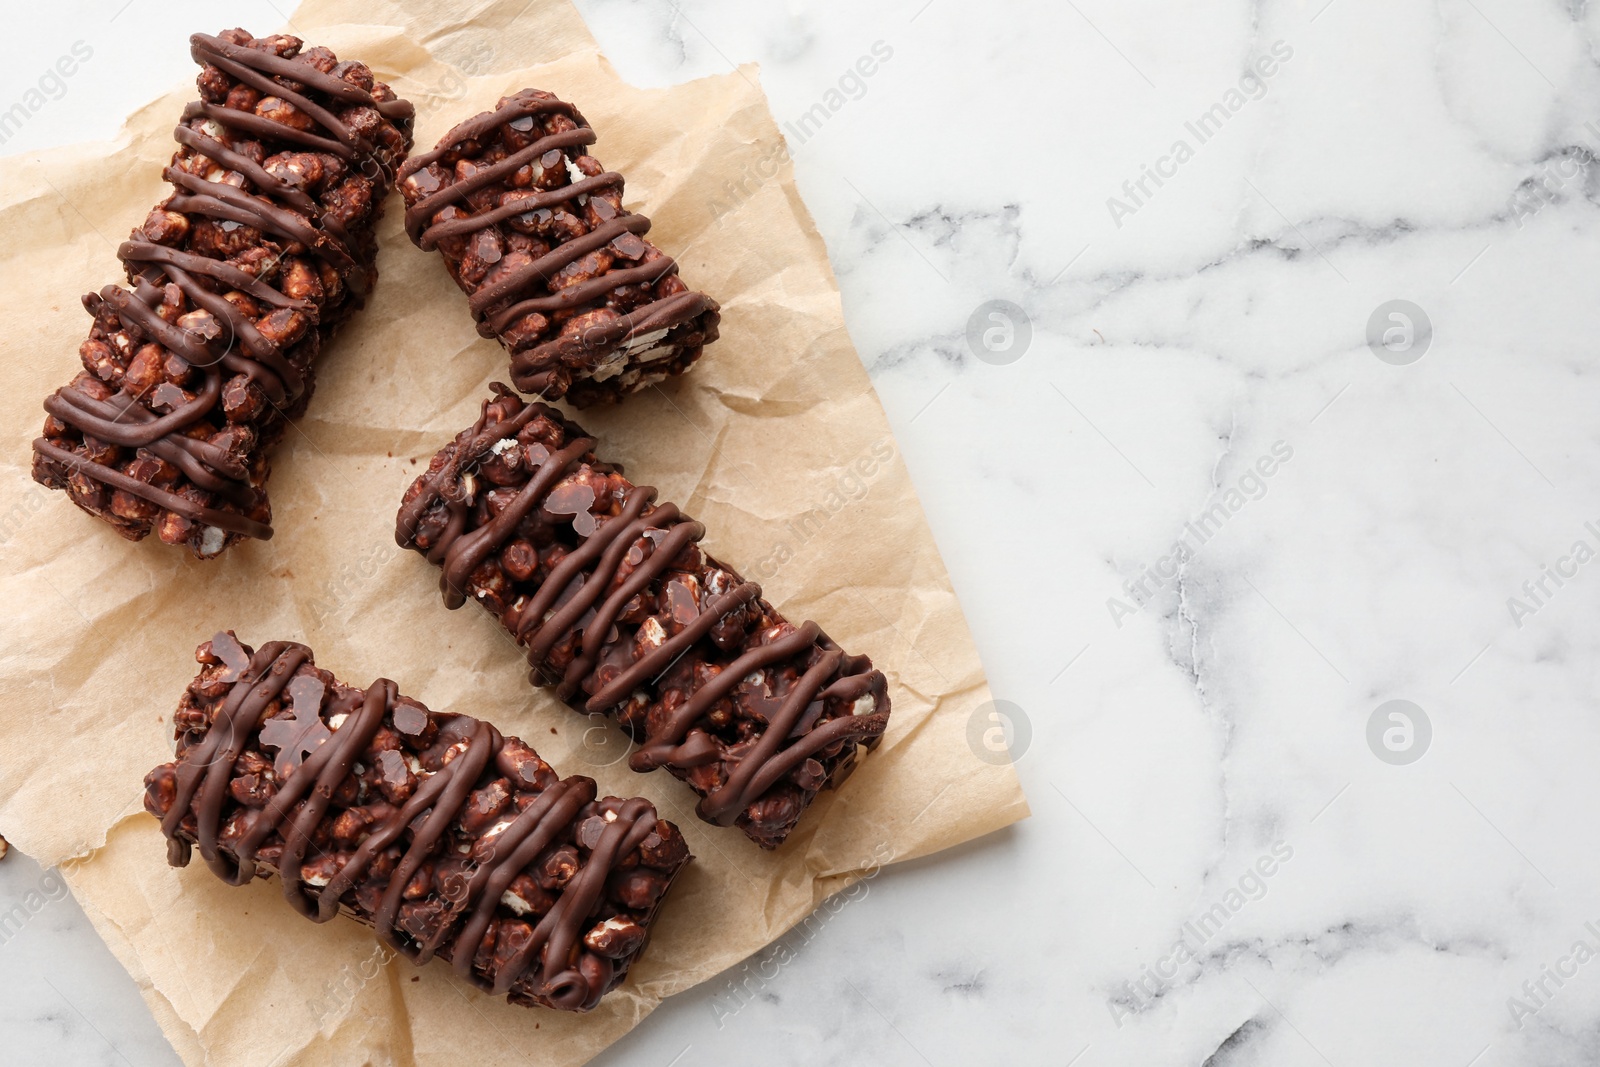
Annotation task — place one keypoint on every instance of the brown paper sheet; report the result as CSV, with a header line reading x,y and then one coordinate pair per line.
x,y
776,441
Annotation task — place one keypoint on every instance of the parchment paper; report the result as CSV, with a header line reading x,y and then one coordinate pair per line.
x,y
776,441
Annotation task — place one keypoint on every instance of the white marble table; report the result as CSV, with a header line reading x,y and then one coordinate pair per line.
x,y
1199,214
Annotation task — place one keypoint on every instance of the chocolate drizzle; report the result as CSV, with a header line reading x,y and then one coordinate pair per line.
x,y
314,760
440,212
226,341
578,604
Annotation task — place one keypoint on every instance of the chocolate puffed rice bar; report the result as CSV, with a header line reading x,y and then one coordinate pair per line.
x,y
447,838
533,229
622,613
263,249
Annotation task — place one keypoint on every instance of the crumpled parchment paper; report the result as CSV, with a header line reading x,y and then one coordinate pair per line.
x,y
776,441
